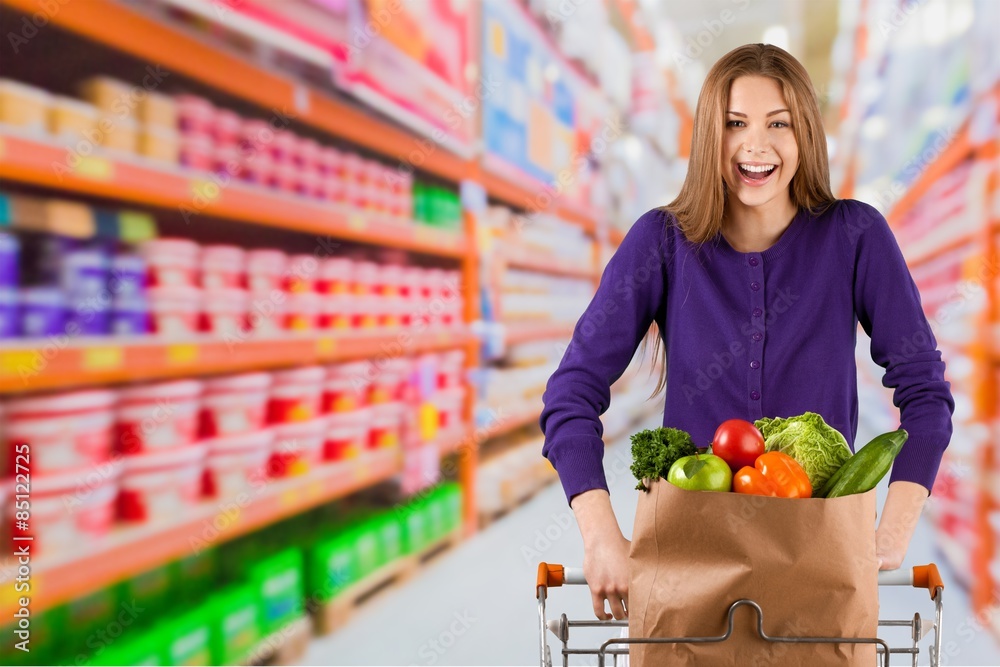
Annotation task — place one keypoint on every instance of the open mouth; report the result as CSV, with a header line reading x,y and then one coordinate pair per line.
x,y
756,174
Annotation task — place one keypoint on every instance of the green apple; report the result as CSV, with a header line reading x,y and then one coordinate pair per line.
x,y
701,472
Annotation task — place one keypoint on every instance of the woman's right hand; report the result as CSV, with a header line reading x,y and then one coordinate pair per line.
x,y
605,565
605,553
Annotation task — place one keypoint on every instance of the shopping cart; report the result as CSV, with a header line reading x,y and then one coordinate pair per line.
x,y
550,576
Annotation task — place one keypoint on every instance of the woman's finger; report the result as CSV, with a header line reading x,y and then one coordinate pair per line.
x,y
600,611
617,607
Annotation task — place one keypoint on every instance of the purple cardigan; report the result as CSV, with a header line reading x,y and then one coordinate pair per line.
x,y
751,335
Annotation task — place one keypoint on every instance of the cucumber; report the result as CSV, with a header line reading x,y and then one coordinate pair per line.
x,y
865,470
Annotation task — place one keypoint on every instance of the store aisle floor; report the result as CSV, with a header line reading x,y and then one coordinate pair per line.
x,y
475,605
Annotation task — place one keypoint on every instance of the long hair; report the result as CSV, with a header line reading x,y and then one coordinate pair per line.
x,y
700,204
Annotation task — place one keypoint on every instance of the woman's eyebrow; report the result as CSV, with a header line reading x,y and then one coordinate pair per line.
x,y
769,113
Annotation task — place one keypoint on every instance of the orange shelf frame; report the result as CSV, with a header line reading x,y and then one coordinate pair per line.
x,y
116,26
129,551
34,366
193,193
531,331
616,236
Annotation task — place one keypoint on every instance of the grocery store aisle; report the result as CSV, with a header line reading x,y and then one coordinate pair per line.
x,y
475,604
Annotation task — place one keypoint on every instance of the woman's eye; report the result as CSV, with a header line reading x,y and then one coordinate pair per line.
x,y
735,123
779,124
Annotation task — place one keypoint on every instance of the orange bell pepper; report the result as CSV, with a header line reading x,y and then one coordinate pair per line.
x,y
785,473
752,481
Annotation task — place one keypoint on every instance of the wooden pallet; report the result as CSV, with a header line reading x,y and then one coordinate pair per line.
x,y
332,616
285,646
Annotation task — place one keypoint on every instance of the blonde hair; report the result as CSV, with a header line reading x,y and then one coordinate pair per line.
x,y
700,205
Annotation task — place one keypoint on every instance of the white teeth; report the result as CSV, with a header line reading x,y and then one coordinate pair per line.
x,y
757,169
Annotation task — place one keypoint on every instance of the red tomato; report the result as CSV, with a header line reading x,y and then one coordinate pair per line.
x,y
738,443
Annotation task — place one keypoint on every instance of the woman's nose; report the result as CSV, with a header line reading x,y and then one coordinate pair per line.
x,y
756,141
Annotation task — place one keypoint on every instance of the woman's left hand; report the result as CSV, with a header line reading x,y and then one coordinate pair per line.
x,y
899,519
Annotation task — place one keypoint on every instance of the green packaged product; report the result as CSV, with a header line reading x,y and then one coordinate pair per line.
x,y
154,591
367,548
331,567
437,515
415,528
236,626
453,506
138,647
390,534
279,583
43,645
87,617
196,574
188,638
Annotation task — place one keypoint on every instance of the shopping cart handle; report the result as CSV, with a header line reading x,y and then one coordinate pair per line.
x,y
920,576
555,575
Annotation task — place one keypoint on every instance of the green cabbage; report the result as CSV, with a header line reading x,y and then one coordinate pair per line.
x,y
819,448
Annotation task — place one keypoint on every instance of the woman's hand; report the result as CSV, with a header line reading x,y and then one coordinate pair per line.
x,y
899,519
605,560
605,564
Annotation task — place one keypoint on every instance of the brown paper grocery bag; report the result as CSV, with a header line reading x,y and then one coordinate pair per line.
x,y
809,563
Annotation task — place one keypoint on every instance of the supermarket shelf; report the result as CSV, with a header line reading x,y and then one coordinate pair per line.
x,y
192,193
39,365
616,236
523,257
149,39
132,550
507,425
533,331
521,191
958,150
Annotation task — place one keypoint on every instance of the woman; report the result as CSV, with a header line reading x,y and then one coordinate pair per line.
x,y
756,277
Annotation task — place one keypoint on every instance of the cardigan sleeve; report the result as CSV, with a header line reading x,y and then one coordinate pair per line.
x,y
630,296
888,306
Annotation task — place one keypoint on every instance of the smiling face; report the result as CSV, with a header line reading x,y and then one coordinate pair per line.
x,y
759,151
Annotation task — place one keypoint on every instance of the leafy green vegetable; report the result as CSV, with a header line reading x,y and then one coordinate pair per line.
x,y
816,446
655,450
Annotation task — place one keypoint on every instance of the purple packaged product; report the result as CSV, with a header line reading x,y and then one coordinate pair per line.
x,y
128,275
89,316
84,273
43,312
10,250
130,316
53,249
8,313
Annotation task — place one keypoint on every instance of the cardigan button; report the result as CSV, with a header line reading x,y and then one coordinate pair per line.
x,y
757,337
757,312
755,395
755,364
754,261
755,286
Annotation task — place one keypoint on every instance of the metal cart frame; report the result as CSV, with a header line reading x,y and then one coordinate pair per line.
x,y
922,576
